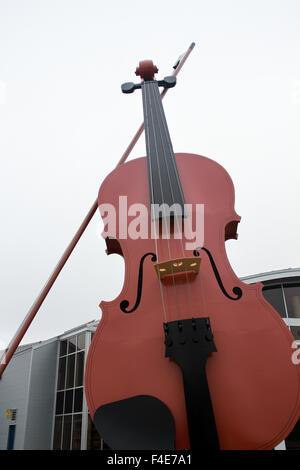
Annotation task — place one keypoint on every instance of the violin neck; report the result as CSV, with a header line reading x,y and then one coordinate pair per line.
x,y
164,181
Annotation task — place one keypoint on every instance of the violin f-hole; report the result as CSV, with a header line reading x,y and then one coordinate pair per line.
x,y
236,290
125,304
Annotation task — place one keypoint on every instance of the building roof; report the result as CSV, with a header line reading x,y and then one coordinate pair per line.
x,y
272,275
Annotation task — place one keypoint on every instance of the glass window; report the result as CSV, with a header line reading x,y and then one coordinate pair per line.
x,y
67,426
81,341
69,397
79,369
274,296
296,332
292,298
71,345
69,401
57,433
70,371
59,403
93,438
63,348
78,399
76,434
61,373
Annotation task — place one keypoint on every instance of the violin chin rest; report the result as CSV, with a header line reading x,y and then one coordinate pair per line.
x,y
142,422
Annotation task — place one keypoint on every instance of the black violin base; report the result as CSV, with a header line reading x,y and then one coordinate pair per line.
x,y
142,422
189,343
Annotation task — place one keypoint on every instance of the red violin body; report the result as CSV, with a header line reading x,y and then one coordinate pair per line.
x,y
254,385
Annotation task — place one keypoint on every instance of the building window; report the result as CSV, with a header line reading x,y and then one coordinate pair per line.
x,y
76,434
61,373
69,394
63,347
93,438
94,441
274,295
57,432
79,368
295,330
292,298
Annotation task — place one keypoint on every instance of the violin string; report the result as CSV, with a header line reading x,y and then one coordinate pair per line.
x,y
151,96
187,219
202,297
171,152
188,224
151,87
164,125
152,195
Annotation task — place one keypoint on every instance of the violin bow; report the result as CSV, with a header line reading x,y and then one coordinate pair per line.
x,y
14,343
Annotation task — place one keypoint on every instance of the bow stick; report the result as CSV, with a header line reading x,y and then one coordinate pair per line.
x,y
8,353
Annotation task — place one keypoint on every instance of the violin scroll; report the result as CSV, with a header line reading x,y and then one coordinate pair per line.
x,y
146,70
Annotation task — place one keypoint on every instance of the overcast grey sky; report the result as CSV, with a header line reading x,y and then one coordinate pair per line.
x,y
65,124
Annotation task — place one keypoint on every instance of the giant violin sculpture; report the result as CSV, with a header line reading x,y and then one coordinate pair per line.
x,y
187,356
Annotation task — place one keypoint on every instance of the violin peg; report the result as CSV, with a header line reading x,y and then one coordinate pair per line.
x,y
128,87
168,82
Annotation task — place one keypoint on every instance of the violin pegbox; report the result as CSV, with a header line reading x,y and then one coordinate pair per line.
x,y
146,70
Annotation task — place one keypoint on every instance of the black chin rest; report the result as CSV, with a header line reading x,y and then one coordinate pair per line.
x,y
142,422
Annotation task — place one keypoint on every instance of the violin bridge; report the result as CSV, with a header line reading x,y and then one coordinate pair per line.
x,y
176,266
